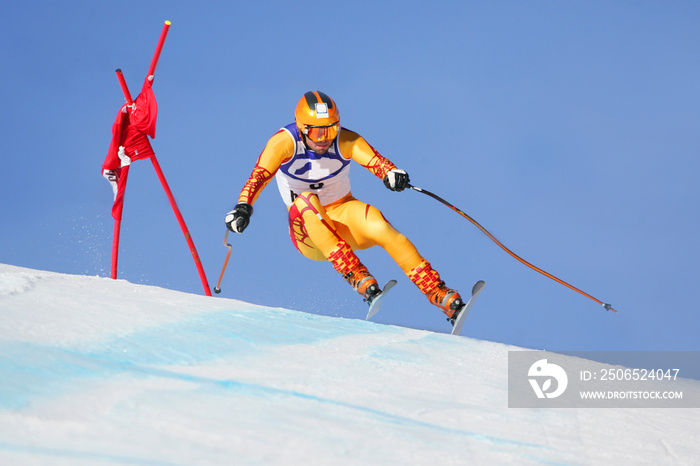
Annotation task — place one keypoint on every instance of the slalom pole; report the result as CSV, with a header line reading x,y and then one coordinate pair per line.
x,y
183,226
124,176
607,307
161,176
115,247
159,48
217,289
118,222
125,88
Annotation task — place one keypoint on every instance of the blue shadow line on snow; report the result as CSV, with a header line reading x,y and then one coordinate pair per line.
x,y
201,338
31,370
51,369
219,334
261,390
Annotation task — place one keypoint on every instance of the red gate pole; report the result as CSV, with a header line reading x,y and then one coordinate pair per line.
x,y
183,226
125,171
115,247
161,177
163,181
159,48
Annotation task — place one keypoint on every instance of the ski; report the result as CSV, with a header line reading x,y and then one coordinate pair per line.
x,y
459,323
376,302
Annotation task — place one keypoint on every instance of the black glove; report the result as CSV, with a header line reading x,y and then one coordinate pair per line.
x,y
396,180
238,219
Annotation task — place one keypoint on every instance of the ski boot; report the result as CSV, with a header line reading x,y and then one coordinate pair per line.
x,y
363,282
448,300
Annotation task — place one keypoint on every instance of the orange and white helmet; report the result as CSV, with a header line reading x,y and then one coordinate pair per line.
x,y
317,116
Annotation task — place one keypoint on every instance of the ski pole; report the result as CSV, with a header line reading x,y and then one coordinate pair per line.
x,y
217,290
607,307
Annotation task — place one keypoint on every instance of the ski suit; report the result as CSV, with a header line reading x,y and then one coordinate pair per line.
x,y
325,221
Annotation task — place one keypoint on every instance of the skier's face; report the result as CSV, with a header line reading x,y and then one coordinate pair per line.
x,y
320,147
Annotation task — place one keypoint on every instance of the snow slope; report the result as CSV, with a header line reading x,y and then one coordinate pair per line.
x,y
97,371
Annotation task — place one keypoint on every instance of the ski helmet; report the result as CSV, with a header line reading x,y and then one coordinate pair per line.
x,y
317,116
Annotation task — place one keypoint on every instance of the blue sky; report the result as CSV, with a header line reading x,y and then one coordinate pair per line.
x,y
567,129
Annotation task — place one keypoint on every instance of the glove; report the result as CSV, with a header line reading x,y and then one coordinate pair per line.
x,y
238,219
396,180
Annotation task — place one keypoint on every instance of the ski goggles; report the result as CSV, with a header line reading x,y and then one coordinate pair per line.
x,y
322,133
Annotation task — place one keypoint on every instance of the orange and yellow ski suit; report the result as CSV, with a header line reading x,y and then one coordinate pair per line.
x,y
325,221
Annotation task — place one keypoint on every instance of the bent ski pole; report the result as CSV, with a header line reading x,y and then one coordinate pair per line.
x,y
607,307
217,290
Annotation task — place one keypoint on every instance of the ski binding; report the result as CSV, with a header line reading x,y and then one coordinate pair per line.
x,y
376,303
461,317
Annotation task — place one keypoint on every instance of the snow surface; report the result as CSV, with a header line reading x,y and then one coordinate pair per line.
x,y
98,371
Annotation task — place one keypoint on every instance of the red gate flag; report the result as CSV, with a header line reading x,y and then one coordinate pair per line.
x,y
134,123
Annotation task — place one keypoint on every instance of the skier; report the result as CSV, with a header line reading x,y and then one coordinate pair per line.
x,y
310,160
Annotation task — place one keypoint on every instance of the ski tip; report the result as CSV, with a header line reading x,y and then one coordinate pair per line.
x,y
478,286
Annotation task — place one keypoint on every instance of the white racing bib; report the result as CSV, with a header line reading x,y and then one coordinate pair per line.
x,y
326,175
